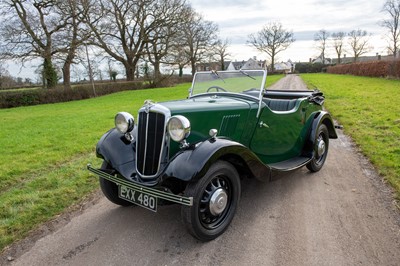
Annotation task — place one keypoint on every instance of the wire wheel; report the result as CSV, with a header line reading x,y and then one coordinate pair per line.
x,y
215,198
321,146
215,202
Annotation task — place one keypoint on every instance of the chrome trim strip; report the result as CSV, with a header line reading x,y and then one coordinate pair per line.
x,y
145,141
262,90
187,201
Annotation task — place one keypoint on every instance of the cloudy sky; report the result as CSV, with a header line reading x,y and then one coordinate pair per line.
x,y
239,18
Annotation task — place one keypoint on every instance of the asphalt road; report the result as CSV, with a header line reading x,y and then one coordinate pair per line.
x,y
342,215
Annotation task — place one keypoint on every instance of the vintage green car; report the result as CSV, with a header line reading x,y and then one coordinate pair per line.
x,y
196,152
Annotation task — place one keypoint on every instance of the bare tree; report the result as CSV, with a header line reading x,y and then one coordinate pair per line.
x,y
359,43
3,69
220,51
124,28
43,29
272,39
111,70
3,73
73,37
177,55
338,42
321,38
29,30
119,29
161,38
392,7
199,36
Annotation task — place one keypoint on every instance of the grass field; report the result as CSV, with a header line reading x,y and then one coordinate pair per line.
x,y
45,149
369,110
20,89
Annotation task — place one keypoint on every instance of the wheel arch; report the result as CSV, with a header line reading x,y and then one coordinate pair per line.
x,y
239,163
328,122
192,164
319,118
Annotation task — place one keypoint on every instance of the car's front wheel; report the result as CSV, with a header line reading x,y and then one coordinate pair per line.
x,y
321,146
110,189
215,198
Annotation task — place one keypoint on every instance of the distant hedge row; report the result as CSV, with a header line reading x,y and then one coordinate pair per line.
x,y
310,67
28,97
382,68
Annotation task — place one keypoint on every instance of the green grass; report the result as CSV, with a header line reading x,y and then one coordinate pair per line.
x,y
20,89
369,110
45,149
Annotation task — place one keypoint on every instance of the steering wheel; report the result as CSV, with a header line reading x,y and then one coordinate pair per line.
x,y
218,88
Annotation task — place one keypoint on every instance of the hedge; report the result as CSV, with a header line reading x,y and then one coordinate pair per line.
x,y
28,97
381,68
17,98
310,67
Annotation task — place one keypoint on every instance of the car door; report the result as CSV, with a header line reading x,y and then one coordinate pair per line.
x,y
279,135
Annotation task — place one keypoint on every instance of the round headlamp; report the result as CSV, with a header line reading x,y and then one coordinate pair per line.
x,y
124,122
178,128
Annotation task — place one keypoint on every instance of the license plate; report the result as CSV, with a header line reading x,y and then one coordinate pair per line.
x,y
138,197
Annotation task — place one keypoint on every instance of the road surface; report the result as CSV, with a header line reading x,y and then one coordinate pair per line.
x,y
342,215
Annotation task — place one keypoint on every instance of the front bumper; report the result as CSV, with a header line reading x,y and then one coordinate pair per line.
x,y
187,201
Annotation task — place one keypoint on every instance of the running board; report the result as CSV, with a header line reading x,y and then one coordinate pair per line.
x,y
290,164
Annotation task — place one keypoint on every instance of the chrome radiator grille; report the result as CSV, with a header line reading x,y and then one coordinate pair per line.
x,y
150,138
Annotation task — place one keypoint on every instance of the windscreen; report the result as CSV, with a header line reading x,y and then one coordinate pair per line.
x,y
228,81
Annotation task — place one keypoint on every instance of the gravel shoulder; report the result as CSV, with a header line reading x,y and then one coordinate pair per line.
x,y
343,215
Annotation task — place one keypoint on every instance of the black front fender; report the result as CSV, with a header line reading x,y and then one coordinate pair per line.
x,y
192,164
117,151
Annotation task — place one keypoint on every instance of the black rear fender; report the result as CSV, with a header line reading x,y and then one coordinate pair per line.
x,y
322,117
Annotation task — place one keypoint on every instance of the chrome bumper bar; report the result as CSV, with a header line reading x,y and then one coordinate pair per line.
x,y
188,201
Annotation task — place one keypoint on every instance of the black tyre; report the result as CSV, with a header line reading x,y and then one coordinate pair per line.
x,y
321,147
215,198
110,189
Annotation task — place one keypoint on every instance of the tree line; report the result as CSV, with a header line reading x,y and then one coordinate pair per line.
x,y
158,32
126,31
357,42
273,38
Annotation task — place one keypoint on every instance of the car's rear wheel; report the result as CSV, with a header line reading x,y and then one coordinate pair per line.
x,y
110,189
215,199
321,146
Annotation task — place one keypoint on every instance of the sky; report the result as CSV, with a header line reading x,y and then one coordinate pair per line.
x,y
237,19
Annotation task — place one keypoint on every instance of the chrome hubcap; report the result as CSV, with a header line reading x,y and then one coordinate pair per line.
x,y
218,201
321,147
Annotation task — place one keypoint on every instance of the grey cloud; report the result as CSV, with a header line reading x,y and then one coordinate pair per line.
x,y
304,35
224,3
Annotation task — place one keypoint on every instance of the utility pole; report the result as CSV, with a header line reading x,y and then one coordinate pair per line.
x,y
90,72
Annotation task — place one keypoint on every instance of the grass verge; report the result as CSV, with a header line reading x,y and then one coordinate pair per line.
x,y
369,110
45,149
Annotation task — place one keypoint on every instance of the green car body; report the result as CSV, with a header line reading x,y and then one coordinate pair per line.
x,y
196,151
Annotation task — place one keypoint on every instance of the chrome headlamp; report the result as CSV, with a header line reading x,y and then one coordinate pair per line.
x,y
178,128
124,122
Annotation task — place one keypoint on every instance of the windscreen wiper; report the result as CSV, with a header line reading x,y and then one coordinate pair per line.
x,y
247,75
217,75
